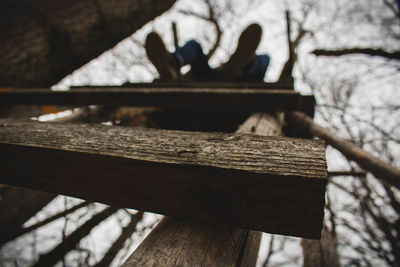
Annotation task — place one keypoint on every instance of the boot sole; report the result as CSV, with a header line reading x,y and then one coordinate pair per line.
x,y
158,55
245,50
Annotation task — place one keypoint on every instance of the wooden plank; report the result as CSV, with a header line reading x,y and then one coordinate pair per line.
x,y
211,245
210,99
272,184
182,242
205,84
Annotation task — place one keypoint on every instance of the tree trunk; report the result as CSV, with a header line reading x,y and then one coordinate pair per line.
x,y
42,41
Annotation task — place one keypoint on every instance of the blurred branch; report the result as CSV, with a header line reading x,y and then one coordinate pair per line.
x,y
365,51
381,170
270,251
347,173
286,73
127,232
213,19
10,236
394,7
72,240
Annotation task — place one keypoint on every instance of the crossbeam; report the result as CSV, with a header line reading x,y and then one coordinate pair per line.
x,y
271,184
206,84
210,99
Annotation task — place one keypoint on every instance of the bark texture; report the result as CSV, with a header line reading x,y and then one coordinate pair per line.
x,y
42,41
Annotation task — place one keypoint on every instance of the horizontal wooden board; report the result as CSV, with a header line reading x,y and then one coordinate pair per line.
x,y
272,184
205,84
205,99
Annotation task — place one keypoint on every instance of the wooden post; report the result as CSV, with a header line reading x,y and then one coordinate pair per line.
x,y
179,242
320,253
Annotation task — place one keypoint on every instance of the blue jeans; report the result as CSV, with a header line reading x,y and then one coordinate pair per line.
x,y
192,54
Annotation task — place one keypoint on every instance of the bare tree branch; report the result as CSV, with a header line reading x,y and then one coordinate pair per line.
x,y
213,19
347,173
10,236
127,232
72,240
366,51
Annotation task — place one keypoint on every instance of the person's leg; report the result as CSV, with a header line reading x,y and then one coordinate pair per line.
x,y
255,70
192,54
245,51
162,60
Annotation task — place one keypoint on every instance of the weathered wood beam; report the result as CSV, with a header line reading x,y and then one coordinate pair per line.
x,y
183,242
199,244
172,98
272,184
200,84
380,169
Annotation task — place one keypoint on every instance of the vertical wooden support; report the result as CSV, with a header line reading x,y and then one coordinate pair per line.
x,y
183,242
320,253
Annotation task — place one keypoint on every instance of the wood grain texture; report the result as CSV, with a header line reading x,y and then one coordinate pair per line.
x,y
181,242
173,98
272,184
238,247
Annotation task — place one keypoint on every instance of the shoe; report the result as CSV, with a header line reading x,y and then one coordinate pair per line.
x,y
245,51
165,62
